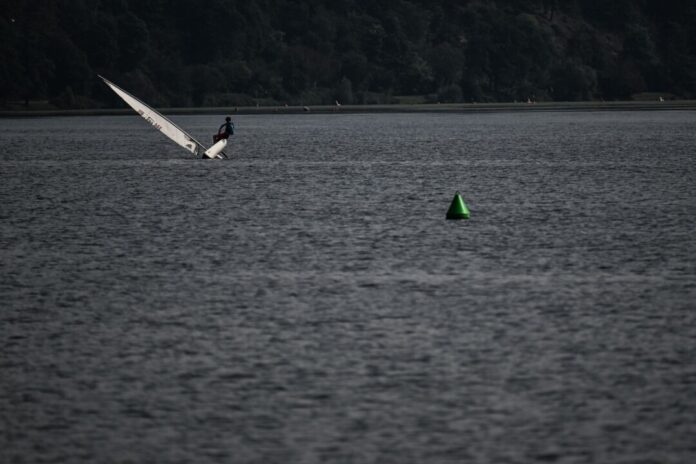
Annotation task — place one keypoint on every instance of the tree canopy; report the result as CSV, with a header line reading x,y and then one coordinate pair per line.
x,y
229,52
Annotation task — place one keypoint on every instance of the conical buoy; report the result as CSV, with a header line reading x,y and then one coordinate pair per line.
x,y
458,209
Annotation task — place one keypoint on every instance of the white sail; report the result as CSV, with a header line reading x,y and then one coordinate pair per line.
x,y
161,123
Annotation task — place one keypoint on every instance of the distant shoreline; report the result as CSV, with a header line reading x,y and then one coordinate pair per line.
x,y
393,108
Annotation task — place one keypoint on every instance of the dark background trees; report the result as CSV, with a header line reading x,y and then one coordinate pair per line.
x,y
229,52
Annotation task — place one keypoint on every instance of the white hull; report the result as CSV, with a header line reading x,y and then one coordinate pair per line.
x,y
216,150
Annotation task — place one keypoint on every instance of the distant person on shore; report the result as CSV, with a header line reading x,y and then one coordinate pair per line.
x,y
225,130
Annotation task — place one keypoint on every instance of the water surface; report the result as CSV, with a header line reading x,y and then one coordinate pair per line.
x,y
307,302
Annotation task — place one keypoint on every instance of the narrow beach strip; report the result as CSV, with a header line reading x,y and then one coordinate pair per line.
x,y
391,108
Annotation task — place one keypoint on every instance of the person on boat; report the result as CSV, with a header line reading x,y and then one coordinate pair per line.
x,y
225,130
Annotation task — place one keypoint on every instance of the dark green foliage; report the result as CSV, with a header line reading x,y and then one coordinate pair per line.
x,y
12,71
232,53
572,81
344,91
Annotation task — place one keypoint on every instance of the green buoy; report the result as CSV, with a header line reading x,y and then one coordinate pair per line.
x,y
458,209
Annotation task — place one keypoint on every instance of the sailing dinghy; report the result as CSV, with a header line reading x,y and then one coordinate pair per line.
x,y
168,128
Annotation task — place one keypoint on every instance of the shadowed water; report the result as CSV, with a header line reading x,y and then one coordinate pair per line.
x,y
307,302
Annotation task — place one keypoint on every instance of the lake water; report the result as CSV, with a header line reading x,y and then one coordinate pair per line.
x,y
307,302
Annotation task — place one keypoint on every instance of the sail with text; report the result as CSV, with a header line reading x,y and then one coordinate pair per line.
x,y
158,121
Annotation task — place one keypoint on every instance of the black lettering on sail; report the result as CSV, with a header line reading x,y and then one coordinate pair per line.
x,y
157,120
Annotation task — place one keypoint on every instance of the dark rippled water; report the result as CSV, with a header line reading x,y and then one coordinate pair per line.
x,y
306,301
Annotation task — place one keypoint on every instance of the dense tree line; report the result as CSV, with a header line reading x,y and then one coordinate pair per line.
x,y
229,52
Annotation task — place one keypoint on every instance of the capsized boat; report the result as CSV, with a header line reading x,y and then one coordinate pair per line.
x,y
168,128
